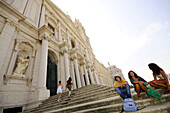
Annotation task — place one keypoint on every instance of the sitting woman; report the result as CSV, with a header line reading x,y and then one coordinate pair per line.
x,y
122,87
138,83
163,81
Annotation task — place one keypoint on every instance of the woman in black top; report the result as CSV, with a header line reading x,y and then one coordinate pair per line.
x,y
69,85
138,83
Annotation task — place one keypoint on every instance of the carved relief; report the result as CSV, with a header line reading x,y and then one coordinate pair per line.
x,y
21,65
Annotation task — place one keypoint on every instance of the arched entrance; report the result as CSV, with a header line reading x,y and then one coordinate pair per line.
x,y
51,76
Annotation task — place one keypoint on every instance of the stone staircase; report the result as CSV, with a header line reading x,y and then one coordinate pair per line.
x,y
99,99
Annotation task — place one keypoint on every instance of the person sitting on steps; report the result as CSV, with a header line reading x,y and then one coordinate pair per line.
x,y
122,87
163,81
138,83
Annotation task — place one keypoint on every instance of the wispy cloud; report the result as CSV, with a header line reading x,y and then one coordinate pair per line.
x,y
124,44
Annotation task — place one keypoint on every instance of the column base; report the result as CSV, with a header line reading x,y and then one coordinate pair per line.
x,y
43,94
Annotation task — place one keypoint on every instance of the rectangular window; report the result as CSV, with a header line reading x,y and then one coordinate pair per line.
x,y
52,28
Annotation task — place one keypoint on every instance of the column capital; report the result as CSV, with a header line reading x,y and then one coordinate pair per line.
x,y
44,37
44,32
88,65
82,62
64,47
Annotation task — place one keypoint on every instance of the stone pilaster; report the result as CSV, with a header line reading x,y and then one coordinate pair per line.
x,y
73,75
77,73
86,74
12,63
59,31
64,49
43,63
96,77
82,76
91,76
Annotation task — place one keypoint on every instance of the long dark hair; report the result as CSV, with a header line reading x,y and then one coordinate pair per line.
x,y
155,68
136,76
69,80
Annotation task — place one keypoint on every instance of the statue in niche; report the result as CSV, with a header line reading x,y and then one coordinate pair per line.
x,y
22,64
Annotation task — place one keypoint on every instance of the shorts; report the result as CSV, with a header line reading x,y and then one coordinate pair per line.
x,y
157,80
69,87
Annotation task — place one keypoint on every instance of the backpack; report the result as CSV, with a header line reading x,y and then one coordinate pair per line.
x,y
129,105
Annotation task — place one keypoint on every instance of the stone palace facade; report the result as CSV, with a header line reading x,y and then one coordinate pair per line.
x,y
39,46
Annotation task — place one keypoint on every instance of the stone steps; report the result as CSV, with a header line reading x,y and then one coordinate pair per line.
x,y
84,108
80,93
91,99
84,95
77,99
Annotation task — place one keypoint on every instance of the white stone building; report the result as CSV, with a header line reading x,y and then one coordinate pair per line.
x,y
113,70
39,46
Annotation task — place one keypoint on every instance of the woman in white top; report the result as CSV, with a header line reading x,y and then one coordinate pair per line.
x,y
59,90
163,82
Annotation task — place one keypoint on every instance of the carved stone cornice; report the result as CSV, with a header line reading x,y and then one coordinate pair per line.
x,y
64,47
20,41
44,32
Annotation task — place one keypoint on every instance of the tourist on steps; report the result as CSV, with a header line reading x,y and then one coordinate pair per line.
x,y
59,91
122,87
163,81
69,85
138,83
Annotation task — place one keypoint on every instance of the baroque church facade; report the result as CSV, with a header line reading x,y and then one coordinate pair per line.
x,y
39,46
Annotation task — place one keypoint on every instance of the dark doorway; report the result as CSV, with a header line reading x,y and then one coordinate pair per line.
x,y
13,110
51,77
85,80
89,78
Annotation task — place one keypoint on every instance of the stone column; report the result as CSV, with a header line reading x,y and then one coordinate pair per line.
x,y
86,75
77,73
82,76
43,64
91,77
73,75
66,64
43,93
62,72
96,77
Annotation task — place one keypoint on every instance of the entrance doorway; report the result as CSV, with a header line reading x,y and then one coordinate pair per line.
x,y
51,77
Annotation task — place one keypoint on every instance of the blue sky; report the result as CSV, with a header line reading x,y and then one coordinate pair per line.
x,y
128,33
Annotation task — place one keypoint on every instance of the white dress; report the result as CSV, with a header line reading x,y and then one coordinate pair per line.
x,y
59,90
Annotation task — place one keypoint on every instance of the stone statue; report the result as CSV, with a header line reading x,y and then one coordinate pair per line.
x,y
22,64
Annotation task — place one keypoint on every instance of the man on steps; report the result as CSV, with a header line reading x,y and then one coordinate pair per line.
x,y
122,87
